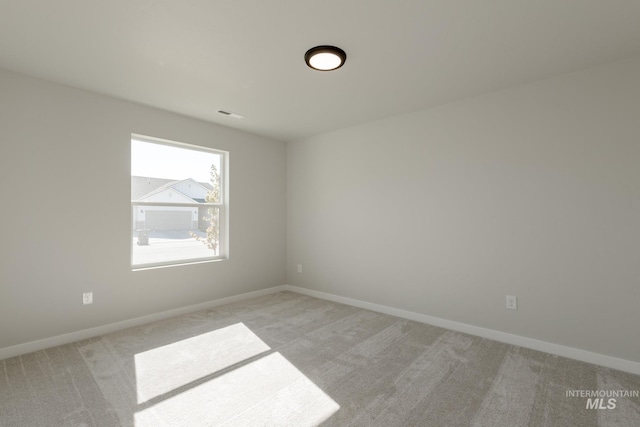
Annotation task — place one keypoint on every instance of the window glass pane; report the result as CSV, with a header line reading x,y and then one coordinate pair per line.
x,y
170,162
173,175
166,246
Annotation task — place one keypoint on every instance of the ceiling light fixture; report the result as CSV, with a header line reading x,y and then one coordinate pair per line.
x,y
325,58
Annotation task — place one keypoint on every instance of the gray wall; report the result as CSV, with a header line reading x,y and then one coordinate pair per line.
x,y
65,216
532,191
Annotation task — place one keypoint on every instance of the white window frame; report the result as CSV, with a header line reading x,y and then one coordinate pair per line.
x,y
223,206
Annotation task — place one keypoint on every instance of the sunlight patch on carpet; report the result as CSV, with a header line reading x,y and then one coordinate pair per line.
x,y
167,368
267,391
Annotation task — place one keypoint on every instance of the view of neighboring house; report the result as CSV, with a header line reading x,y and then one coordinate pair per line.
x,y
157,218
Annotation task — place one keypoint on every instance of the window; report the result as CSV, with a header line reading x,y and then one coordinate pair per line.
x,y
178,203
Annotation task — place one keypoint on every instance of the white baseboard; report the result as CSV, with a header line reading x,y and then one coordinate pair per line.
x,y
534,344
38,345
547,347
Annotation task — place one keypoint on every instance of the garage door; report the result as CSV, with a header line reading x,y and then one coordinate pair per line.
x,y
168,220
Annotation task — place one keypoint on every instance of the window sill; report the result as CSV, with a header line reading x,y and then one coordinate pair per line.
x,y
142,267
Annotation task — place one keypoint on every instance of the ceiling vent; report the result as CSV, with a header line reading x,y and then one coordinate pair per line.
x,y
229,114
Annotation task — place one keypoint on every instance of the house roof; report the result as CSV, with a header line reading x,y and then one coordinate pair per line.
x,y
143,187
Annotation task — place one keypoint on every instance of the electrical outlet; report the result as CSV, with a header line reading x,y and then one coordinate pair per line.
x,y
299,268
87,298
512,302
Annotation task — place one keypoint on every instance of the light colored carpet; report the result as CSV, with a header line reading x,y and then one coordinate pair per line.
x,y
292,360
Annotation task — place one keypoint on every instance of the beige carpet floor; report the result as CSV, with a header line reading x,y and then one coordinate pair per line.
x,y
292,360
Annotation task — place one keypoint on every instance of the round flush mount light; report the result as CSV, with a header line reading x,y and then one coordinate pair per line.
x,y
325,58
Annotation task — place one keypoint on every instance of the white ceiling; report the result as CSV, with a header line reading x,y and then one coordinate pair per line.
x,y
196,57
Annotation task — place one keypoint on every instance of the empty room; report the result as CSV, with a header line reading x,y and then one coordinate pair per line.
x,y
337,213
